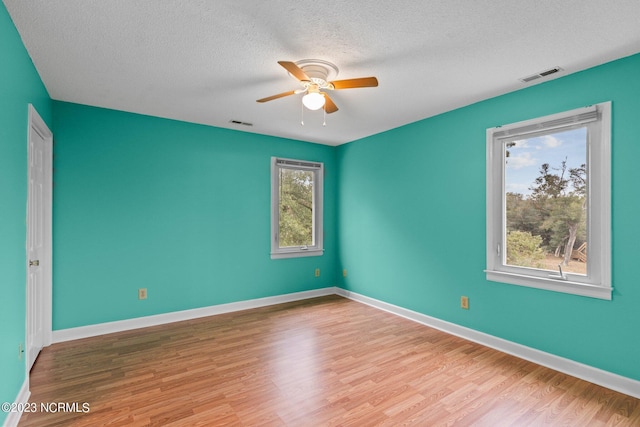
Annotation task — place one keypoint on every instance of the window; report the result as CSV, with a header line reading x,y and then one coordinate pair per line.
x,y
548,202
296,208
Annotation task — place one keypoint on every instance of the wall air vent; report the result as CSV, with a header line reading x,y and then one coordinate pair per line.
x,y
238,122
541,74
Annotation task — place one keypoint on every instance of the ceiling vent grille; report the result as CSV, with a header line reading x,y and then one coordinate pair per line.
x,y
541,74
238,122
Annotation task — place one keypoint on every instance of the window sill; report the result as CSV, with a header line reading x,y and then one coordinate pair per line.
x,y
297,253
565,286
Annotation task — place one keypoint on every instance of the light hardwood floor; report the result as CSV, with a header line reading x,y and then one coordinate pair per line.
x,y
322,362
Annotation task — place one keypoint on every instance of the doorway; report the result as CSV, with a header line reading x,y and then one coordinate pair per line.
x,y
39,240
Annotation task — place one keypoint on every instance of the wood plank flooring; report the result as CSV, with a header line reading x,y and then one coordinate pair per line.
x,y
322,362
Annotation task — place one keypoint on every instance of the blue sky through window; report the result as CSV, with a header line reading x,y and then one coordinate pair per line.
x,y
526,157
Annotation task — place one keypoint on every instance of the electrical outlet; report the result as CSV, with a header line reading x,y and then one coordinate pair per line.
x,y
20,351
317,272
344,273
142,293
464,302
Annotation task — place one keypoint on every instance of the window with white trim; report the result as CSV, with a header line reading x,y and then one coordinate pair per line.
x,y
549,202
296,208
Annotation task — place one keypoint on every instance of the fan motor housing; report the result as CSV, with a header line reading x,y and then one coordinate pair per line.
x,y
318,70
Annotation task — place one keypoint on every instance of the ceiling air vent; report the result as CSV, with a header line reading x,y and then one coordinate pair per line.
x,y
238,122
541,74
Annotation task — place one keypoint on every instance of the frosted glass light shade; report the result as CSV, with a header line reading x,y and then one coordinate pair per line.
x,y
313,100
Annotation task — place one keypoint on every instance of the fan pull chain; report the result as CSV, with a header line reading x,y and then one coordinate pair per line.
x,y
301,114
324,116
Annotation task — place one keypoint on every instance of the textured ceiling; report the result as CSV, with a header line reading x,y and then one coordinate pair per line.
x,y
208,61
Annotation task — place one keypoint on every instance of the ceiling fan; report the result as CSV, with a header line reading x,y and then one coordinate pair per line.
x,y
315,76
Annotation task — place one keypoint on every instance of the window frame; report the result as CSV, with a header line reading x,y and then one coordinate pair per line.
x,y
317,249
597,282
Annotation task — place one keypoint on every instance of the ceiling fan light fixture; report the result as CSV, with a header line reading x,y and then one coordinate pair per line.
x,y
316,77
313,100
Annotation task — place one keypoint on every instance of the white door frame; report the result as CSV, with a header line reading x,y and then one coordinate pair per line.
x,y
35,122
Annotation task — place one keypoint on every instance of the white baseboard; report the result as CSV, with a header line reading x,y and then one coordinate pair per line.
x,y
177,316
597,376
588,373
13,418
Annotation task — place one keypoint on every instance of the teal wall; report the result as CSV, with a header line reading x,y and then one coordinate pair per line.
x,y
180,209
19,86
411,209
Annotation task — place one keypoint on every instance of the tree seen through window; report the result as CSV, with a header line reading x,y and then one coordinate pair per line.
x,y
546,201
296,207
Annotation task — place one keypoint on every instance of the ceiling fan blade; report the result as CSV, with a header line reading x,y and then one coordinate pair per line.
x,y
295,70
329,106
280,95
355,83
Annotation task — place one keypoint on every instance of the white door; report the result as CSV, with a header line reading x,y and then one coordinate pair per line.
x,y
38,237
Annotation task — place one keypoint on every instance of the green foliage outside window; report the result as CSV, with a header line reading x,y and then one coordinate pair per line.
x,y
554,213
296,207
524,249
